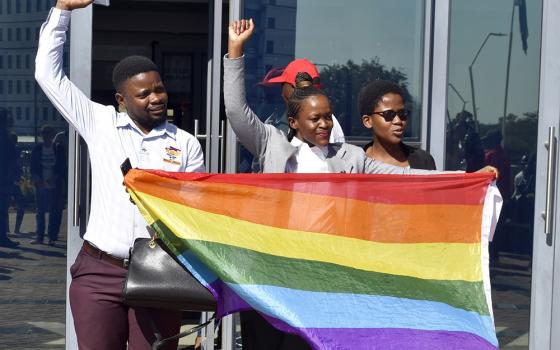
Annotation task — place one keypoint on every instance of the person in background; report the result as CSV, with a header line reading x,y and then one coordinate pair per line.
x,y
48,172
18,196
381,105
8,161
496,156
141,133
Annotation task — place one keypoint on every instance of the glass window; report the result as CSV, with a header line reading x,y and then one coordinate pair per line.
x,y
351,43
271,23
347,55
492,119
33,276
269,46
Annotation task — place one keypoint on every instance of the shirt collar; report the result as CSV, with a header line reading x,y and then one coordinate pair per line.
x,y
298,143
124,120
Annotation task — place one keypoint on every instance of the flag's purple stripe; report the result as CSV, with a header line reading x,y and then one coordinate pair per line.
x,y
228,301
385,338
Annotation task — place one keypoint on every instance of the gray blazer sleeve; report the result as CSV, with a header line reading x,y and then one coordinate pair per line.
x,y
250,130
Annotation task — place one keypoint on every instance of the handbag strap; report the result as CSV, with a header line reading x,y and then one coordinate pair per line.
x,y
161,342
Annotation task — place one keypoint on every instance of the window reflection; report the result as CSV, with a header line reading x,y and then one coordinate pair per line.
x,y
33,276
350,43
477,133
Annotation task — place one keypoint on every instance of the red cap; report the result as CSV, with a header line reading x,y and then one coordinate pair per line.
x,y
288,74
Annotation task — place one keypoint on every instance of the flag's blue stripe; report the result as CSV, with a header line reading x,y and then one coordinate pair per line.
x,y
324,310
200,271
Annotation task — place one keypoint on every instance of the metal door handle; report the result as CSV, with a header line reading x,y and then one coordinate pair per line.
x,y
196,134
550,181
222,145
76,213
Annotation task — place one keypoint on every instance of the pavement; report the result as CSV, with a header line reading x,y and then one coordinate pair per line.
x,y
33,280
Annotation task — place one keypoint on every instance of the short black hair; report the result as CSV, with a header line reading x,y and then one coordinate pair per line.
x,y
371,94
129,67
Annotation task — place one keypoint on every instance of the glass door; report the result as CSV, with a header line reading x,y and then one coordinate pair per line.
x,y
492,119
545,307
501,108
34,148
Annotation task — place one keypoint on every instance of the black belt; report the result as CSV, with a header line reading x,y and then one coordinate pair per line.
x,y
95,252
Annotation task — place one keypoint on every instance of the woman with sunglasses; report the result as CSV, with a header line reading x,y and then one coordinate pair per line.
x,y
381,104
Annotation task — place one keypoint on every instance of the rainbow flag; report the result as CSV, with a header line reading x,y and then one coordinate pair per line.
x,y
345,261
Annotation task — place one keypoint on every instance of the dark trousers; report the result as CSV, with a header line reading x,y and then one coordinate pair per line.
x,y
258,334
48,200
101,319
4,205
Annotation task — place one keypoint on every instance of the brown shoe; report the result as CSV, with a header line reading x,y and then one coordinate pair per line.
x,y
36,241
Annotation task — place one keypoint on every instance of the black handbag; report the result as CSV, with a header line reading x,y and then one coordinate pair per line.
x,y
156,280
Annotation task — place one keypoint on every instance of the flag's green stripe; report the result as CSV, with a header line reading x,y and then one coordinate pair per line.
x,y
243,266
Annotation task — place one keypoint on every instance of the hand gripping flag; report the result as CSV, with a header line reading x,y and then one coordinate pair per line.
x,y
344,261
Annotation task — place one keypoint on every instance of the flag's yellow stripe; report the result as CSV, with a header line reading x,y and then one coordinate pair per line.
x,y
421,260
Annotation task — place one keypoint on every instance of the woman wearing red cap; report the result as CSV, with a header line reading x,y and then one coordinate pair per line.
x,y
287,77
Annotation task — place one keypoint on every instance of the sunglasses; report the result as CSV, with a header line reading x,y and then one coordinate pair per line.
x,y
390,114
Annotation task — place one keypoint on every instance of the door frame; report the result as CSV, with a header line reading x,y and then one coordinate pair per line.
x,y
545,287
78,167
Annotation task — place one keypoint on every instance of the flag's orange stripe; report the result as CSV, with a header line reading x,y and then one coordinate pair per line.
x,y
451,188
294,210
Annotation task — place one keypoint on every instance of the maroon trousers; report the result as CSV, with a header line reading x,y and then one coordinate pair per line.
x,y
101,319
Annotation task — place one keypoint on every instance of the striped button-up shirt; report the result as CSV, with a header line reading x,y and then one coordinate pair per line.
x,y
111,137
